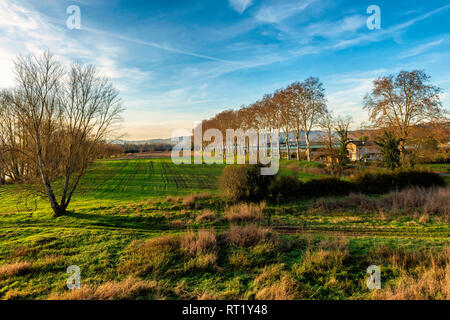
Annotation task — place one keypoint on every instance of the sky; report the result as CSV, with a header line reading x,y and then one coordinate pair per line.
x,y
178,62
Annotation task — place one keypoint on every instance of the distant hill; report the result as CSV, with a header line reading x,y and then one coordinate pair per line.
x,y
315,135
149,141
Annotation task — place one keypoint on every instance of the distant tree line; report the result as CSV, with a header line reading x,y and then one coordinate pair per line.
x,y
146,147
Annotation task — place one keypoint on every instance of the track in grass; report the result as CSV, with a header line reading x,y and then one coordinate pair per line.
x,y
143,178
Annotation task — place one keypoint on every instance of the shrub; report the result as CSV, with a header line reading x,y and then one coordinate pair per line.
x,y
382,182
244,182
326,186
285,187
245,212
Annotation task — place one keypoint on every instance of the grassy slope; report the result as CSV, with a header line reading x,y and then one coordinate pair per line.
x,y
112,210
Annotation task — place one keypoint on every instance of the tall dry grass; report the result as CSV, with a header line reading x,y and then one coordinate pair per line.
x,y
275,283
201,249
245,212
152,255
248,235
206,216
189,200
112,290
424,276
202,242
14,269
415,201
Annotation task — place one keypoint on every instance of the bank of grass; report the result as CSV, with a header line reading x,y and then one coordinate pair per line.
x,y
150,235
240,262
436,167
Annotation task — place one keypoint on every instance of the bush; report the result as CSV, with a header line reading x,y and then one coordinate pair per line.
x,y
244,182
378,183
374,183
326,186
285,187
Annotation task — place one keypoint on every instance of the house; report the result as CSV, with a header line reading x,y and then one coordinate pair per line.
x,y
363,151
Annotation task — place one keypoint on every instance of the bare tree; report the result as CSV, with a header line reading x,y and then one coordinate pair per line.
x,y
284,114
66,115
402,102
342,130
328,124
311,108
297,101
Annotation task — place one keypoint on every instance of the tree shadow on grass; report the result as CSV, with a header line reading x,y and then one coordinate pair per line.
x,y
116,221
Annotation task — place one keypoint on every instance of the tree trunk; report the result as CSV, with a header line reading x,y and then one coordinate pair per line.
x,y
279,149
57,209
298,145
287,145
308,147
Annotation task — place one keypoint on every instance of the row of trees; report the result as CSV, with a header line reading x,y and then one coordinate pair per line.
x,y
297,108
405,106
53,123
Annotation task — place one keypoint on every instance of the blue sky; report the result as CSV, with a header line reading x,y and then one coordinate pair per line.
x,y
177,62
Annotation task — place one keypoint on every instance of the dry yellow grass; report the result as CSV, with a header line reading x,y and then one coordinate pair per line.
x,y
189,200
424,277
274,283
248,235
112,290
205,216
245,212
151,255
202,242
240,260
415,201
13,269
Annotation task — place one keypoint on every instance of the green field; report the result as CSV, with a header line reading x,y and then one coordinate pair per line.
x,y
308,253
436,167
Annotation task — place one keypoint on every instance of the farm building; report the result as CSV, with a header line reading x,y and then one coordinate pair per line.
x,y
363,150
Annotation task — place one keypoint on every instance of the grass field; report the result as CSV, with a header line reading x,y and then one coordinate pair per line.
x,y
436,167
127,231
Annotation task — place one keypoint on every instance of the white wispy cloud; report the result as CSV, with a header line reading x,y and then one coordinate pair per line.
x,y
240,5
28,32
383,34
279,12
422,48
